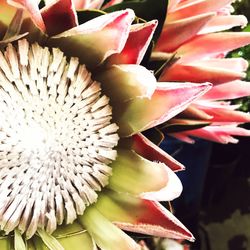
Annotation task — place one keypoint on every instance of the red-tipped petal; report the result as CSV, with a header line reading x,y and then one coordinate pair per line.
x,y
220,23
59,16
230,90
32,7
135,48
141,216
176,33
158,221
209,45
192,8
199,74
150,151
110,31
169,98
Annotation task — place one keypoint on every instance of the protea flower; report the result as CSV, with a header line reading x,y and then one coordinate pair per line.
x,y
75,169
192,32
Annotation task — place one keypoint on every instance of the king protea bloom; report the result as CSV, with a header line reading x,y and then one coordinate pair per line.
x,y
75,169
192,32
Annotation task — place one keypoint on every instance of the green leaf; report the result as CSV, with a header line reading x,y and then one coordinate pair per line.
x,y
247,29
19,243
147,10
74,237
49,240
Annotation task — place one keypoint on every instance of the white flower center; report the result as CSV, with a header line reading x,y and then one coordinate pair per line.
x,y
56,138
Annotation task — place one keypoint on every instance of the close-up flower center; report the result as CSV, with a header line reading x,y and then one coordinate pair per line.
x,y
56,138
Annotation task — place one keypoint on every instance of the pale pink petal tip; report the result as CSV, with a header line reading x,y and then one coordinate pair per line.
x,y
158,221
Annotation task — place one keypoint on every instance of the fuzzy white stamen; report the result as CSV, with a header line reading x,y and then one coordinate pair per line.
x,y
56,138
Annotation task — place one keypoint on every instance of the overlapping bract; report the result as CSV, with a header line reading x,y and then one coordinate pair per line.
x,y
142,173
194,31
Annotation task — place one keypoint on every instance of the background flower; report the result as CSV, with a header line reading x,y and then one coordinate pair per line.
x,y
192,32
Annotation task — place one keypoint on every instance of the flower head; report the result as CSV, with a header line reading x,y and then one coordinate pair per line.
x,y
75,169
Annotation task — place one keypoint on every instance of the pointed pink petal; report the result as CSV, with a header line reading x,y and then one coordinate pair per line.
x,y
232,130
220,23
150,151
110,30
158,221
220,134
141,216
203,133
233,64
225,114
32,7
59,16
199,74
192,8
168,100
230,90
112,2
138,41
210,45
176,33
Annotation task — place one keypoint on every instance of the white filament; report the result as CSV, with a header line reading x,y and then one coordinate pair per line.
x,y
56,138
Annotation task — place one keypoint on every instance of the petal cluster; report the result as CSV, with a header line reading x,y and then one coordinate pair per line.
x,y
194,32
